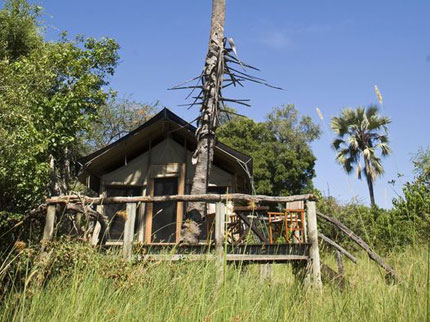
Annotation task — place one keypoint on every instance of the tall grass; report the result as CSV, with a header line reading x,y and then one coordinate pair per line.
x,y
191,291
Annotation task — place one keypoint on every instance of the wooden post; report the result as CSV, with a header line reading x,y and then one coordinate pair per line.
x,y
180,205
129,230
141,223
148,212
219,227
314,252
339,262
96,233
142,234
48,231
219,240
265,271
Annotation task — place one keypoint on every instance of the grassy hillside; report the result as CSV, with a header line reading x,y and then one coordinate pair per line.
x,y
103,288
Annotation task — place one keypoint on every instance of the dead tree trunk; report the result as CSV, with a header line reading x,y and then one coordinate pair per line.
x,y
54,188
212,78
60,173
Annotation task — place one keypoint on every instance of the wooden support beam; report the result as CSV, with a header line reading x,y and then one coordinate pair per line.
x,y
220,212
186,198
360,242
219,227
266,271
329,275
95,237
149,212
180,205
339,262
338,247
314,252
146,208
48,231
129,231
264,258
141,223
231,258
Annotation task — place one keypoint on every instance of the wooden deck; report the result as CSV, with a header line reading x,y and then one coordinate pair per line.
x,y
237,251
251,253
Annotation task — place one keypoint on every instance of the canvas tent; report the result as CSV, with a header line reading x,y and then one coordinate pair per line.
x,y
155,159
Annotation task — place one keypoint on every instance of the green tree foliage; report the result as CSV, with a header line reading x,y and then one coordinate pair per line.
x,y
283,160
226,115
359,137
385,230
50,92
116,118
413,209
421,162
19,33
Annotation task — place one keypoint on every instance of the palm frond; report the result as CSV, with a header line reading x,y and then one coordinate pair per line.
x,y
349,114
383,138
376,166
353,142
338,125
367,153
385,149
347,157
358,171
372,111
364,124
348,165
341,156
361,132
376,121
337,143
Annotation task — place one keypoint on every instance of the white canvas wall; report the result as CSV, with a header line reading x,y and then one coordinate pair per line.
x,y
168,151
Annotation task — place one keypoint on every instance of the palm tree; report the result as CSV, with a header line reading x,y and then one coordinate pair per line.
x,y
361,133
212,78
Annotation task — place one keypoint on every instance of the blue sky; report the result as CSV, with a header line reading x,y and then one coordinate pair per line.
x,y
327,54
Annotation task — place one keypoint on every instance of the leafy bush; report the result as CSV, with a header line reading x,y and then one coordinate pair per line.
x,y
407,223
32,268
385,230
413,210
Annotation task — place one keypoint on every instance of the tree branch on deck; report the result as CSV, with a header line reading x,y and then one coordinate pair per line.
x,y
360,242
338,247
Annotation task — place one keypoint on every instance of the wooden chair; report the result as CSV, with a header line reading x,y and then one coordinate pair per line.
x,y
289,224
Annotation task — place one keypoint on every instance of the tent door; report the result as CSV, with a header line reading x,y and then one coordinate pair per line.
x,y
164,213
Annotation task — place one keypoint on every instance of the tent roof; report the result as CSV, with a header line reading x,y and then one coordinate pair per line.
x,y
162,125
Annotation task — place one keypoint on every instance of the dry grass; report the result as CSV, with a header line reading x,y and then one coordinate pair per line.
x,y
190,292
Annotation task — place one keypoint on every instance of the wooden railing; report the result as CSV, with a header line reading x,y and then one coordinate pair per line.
x,y
203,197
219,199
79,202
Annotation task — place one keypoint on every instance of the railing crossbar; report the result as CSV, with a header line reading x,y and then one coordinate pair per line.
x,y
201,197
